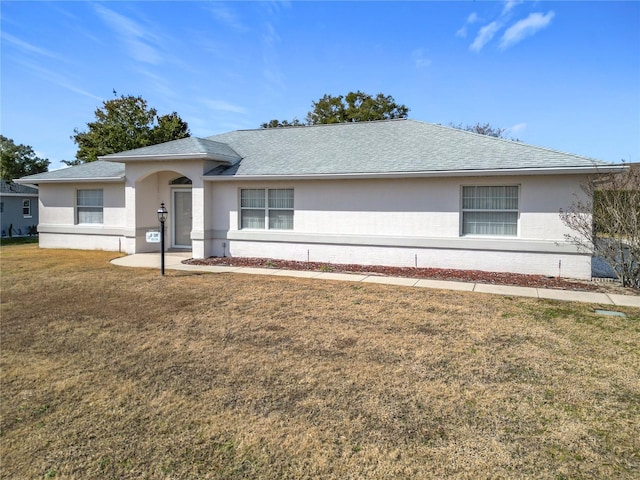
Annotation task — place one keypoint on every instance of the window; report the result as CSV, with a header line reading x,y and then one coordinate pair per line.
x,y
280,209
89,206
26,208
270,208
490,210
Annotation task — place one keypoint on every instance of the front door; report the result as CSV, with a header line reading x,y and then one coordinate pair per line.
x,y
181,231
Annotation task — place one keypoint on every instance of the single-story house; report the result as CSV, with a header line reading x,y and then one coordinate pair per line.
x,y
398,192
18,209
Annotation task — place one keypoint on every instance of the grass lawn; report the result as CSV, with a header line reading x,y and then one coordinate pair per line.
x,y
18,240
109,372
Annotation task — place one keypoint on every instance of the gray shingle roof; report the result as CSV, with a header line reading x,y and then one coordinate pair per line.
x,y
395,146
14,188
190,147
94,171
386,147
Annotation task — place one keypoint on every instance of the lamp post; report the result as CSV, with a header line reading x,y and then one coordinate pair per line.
x,y
162,216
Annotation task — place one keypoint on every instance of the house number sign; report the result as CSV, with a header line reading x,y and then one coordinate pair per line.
x,y
153,236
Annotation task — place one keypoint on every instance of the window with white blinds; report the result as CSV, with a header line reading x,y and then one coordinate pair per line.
x,y
89,206
262,208
490,210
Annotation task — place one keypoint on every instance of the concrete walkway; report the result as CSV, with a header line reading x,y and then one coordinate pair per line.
x,y
173,261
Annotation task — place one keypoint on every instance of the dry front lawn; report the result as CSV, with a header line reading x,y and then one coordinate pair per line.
x,y
109,372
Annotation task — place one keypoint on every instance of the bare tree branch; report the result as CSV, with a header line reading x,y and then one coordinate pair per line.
x,y
607,224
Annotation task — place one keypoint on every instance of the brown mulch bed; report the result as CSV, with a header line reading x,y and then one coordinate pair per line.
x,y
476,276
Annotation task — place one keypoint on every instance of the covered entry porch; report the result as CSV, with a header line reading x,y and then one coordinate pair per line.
x,y
171,173
182,192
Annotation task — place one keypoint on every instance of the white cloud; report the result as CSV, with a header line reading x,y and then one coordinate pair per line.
x,y
419,59
136,38
223,106
59,79
525,28
514,34
274,7
509,4
273,75
271,37
226,16
485,34
27,47
159,83
517,128
472,18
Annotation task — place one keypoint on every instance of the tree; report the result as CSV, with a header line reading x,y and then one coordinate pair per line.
x,y
485,129
170,127
282,123
353,107
19,160
607,223
125,123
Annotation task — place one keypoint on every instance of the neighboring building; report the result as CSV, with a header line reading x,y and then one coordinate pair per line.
x,y
18,209
398,192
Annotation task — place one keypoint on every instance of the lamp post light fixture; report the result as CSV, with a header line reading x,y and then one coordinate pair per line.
x,y
162,216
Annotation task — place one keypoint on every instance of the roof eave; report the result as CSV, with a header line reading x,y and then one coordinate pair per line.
x,y
14,194
36,181
583,170
226,159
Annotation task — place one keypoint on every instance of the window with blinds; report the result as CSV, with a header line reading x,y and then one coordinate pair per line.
x,y
262,208
490,210
89,208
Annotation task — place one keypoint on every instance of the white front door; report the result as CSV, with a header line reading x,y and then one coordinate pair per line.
x,y
181,216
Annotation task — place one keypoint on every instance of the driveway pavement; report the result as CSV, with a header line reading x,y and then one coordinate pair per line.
x,y
173,261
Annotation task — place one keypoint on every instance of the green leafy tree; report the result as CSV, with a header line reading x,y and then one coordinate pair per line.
x,y
282,123
169,127
353,107
19,160
125,123
327,110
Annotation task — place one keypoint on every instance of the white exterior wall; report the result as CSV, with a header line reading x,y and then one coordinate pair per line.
x,y
58,228
129,209
406,222
554,264
403,207
147,185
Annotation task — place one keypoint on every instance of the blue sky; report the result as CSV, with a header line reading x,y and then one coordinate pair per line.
x,y
562,75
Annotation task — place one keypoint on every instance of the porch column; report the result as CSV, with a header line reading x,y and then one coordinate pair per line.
x,y
130,217
198,218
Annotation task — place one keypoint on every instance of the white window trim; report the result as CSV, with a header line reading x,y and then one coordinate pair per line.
x,y
26,202
266,209
463,210
179,187
78,207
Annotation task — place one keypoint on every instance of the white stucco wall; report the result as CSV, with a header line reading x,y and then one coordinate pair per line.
x,y
403,207
60,200
404,222
393,222
534,263
58,228
147,185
